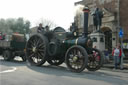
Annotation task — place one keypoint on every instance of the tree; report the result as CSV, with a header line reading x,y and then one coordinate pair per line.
x,y
14,25
21,26
27,26
47,22
4,26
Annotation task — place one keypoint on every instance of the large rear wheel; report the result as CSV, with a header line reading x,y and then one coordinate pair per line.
x,y
76,58
36,50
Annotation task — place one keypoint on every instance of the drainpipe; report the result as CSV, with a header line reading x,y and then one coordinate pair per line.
x,y
118,18
121,65
118,13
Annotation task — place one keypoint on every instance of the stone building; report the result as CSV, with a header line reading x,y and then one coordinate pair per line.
x,y
33,30
115,16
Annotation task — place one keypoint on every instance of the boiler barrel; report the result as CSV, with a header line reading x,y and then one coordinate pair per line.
x,y
78,41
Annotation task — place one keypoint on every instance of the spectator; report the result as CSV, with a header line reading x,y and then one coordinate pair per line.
x,y
106,53
117,55
0,36
94,47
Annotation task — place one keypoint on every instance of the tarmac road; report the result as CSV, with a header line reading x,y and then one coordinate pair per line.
x,y
20,73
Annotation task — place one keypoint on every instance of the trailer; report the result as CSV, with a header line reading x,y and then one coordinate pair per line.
x,y
12,46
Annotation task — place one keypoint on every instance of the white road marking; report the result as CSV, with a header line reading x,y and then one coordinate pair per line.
x,y
12,69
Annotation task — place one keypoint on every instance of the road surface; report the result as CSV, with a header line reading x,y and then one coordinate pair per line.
x,y
21,73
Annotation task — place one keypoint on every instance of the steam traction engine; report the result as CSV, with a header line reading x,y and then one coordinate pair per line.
x,y
58,46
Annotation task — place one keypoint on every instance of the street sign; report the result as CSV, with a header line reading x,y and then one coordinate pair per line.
x,y
121,33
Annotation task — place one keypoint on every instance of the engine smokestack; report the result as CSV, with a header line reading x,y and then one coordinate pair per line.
x,y
86,15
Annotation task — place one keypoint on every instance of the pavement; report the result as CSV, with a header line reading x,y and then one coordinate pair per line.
x,y
110,66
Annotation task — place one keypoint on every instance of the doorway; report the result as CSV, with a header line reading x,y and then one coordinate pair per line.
x,y
108,38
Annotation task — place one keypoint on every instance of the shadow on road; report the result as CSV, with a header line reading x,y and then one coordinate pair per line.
x,y
63,71
12,63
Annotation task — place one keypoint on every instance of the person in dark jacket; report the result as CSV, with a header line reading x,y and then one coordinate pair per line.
x,y
40,28
47,28
106,53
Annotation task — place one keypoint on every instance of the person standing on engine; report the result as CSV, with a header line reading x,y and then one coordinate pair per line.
x,y
40,28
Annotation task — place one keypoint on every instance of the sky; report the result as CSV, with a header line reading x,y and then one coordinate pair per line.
x,y
61,12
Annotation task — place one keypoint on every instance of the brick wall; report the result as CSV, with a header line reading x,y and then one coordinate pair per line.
x,y
112,7
124,17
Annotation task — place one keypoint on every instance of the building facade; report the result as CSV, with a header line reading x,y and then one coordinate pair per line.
x,y
115,16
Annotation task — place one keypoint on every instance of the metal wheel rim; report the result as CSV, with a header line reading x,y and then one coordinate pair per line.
x,y
73,62
36,49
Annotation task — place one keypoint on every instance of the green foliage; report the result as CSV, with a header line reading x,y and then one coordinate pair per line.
x,y
14,25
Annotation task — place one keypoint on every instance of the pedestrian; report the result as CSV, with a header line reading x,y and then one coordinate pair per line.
x,y
0,36
96,55
121,60
106,53
117,55
40,28
94,47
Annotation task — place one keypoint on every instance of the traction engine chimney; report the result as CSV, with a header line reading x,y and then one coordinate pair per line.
x,y
86,15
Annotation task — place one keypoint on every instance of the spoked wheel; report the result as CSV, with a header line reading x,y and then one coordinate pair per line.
x,y
95,60
76,58
36,50
7,54
56,62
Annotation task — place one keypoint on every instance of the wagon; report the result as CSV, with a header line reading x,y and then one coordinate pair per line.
x,y
12,46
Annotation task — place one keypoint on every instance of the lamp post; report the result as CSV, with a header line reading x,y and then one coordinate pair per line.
x,y
120,31
118,14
